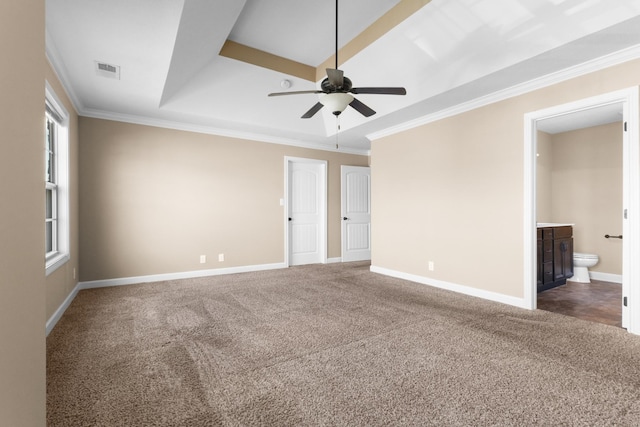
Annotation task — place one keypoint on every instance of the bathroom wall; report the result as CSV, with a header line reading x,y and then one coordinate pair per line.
x,y
543,177
586,189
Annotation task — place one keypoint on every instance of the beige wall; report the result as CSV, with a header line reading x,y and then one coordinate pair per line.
x,y
452,191
544,164
61,282
22,294
586,190
152,200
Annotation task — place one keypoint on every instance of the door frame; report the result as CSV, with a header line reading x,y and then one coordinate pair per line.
x,y
288,160
631,195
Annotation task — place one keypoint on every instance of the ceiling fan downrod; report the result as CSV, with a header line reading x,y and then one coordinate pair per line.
x,y
336,35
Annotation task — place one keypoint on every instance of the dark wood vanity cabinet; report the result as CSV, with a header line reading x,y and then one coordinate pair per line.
x,y
545,256
555,256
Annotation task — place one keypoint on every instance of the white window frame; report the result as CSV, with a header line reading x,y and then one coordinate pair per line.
x,y
55,112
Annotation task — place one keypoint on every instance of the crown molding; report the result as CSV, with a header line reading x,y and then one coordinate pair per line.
x,y
53,57
616,58
211,130
59,69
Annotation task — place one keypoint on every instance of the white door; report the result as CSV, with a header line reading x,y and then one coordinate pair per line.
x,y
356,213
306,212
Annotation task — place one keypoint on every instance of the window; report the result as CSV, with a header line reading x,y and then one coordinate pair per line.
x,y
56,174
51,186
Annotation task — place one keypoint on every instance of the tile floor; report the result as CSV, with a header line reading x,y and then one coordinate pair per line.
x,y
597,301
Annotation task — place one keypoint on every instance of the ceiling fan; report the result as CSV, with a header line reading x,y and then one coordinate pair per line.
x,y
338,89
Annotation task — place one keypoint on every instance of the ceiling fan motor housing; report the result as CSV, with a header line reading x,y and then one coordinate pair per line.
x,y
327,87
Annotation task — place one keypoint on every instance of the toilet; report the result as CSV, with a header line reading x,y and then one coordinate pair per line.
x,y
581,264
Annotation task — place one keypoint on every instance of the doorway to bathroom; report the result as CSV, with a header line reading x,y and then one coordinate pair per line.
x,y
607,113
579,182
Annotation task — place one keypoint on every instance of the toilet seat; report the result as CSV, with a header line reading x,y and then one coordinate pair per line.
x,y
584,256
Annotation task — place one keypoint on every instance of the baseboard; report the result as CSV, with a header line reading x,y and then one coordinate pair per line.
x,y
123,281
334,260
466,290
53,320
606,277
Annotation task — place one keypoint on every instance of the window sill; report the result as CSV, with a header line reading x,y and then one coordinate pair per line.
x,y
54,262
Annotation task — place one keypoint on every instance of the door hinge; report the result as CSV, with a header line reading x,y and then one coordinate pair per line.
x,y
624,301
625,126
625,214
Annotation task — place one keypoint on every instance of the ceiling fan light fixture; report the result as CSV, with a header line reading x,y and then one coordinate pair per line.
x,y
336,102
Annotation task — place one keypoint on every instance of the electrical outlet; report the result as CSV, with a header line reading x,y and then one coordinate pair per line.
x,y
431,267
220,257
203,259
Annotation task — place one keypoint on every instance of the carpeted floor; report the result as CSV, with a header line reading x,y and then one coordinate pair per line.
x,y
330,345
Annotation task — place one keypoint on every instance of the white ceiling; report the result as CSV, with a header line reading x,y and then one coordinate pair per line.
x,y
447,53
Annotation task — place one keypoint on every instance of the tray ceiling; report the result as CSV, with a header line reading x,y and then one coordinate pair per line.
x,y
208,66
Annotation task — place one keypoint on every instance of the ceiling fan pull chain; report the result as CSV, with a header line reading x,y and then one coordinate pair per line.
x,y
337,130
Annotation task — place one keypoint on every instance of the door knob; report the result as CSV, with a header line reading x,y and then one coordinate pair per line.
x,y
289,218
345,218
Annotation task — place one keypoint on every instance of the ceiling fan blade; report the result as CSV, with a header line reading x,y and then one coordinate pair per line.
x,y
294,92
336,77
380,90
361,108
313,110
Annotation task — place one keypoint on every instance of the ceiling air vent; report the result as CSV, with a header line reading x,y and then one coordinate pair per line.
x,y
107,70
